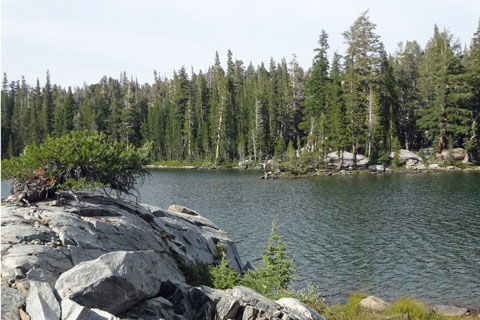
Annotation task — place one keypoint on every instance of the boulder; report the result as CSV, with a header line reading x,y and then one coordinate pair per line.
x,y
117,281
376,168
454,154
12,302
411,164
332,159
73,311
41,302
458,153
433,166
373,303
195,238
450,311
155,308
243,303
405,155
182,209
299,307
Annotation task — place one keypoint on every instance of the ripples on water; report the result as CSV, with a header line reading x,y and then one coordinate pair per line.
x,y
388,235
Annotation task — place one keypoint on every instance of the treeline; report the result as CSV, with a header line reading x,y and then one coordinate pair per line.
x,y
365,101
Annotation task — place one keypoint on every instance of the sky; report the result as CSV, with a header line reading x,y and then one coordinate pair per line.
x,y
81,41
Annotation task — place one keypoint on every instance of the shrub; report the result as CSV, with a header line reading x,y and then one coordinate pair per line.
x,y
223,276
197,273
77,161
274,274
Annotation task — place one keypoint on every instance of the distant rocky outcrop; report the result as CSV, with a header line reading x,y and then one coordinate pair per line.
x,y
347,158
104,258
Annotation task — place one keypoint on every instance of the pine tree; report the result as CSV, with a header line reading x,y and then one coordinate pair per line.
x,y
406,68
445,93
362,67
316,87
46,114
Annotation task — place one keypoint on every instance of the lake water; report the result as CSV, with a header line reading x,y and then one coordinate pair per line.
x,y
387,235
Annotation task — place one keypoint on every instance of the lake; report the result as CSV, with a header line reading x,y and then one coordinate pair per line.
x,y
383,234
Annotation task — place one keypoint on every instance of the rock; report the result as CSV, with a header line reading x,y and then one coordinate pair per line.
x,y
373,303
117,281
376,168
450,311
196,238
28,257
453,154
23,286
332,159
182,209
154,308
73,311
42,275
98,314
411,164
458,153
420,166
405,155
191,302
433,166
299,307
41,302
12,302
243,303
24,315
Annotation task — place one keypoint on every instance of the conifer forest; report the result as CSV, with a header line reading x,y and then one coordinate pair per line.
x,y
364,100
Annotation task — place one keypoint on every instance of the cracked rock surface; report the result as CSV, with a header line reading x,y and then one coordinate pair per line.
x,y
104,258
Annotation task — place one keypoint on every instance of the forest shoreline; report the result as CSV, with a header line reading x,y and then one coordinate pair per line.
x,y
322,172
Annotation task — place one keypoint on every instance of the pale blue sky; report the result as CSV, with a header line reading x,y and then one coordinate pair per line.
x,y
80,41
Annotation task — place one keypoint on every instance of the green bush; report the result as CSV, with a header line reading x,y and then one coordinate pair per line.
x,y
77,161
197,273
223,276
274,274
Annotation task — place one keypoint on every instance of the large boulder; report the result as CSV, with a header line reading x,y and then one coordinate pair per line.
x,y
195,237
51,239
449,311
405,155
454,154
117,281
243,303
41,302
373,303
376,168
332,159
12,302
299,307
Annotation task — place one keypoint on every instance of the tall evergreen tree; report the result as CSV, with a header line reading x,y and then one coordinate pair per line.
x,y
317,83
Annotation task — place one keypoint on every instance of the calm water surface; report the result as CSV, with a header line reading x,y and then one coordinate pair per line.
x,y
387,235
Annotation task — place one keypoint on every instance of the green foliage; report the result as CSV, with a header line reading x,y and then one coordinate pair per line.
x,y
80,160
223,275
396,149
384,159
197,273
290,151
279,147
274,274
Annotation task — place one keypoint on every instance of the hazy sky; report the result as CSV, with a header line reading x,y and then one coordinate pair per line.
x,y
80,41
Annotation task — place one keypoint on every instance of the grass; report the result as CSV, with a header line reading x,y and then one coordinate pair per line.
x,y
403,308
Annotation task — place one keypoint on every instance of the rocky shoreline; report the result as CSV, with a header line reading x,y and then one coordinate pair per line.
x,y
104,258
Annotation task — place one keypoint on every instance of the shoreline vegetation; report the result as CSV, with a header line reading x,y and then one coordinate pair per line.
x,y
274,169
